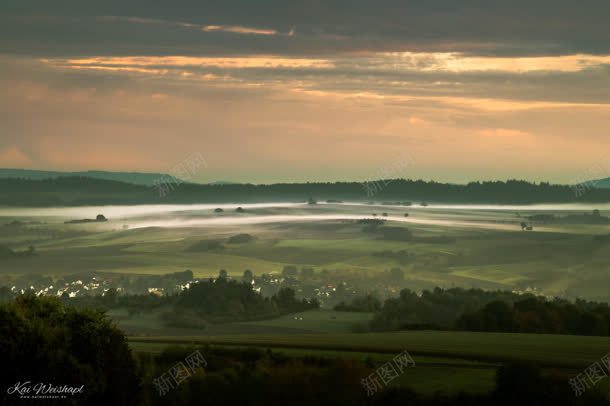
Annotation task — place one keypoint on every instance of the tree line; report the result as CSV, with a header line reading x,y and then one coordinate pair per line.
x,y
215,300
479,310
70,191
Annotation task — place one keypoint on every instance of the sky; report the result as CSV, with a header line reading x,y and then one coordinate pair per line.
x,y
294,91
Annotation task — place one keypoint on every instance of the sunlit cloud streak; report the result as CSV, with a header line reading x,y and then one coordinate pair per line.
x,y
456,62
242,62
239,30
380,63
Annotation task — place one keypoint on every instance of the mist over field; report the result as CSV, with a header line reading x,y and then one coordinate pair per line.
x,y
284,203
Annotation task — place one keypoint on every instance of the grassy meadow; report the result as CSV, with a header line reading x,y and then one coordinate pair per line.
x,y
484,248
448,362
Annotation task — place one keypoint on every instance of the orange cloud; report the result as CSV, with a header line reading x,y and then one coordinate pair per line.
x,y
416,120
117,69
153,62
457,62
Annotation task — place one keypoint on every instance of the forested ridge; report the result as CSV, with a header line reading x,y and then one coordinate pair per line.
x,y
72,191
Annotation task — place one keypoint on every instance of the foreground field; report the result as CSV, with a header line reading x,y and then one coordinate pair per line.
x,y
431,375
548,350
448,362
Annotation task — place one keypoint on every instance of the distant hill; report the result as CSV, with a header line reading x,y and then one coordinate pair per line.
x,y
222,182
136,178
599,183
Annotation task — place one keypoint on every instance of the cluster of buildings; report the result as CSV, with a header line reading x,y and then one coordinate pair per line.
x,y
328,288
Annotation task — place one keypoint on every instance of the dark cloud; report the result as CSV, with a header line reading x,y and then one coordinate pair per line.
x,y
482,27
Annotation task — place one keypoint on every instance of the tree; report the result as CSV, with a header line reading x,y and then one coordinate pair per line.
x,y
248,277
222,274
498,316
519,383
368,303
286,300
110,297
5,294
591,324
240,239
188,275
45,341
224,300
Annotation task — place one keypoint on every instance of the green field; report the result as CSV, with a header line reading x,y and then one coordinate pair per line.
x,y
489,249
449,362
324,321
430,375
313,321
547,350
